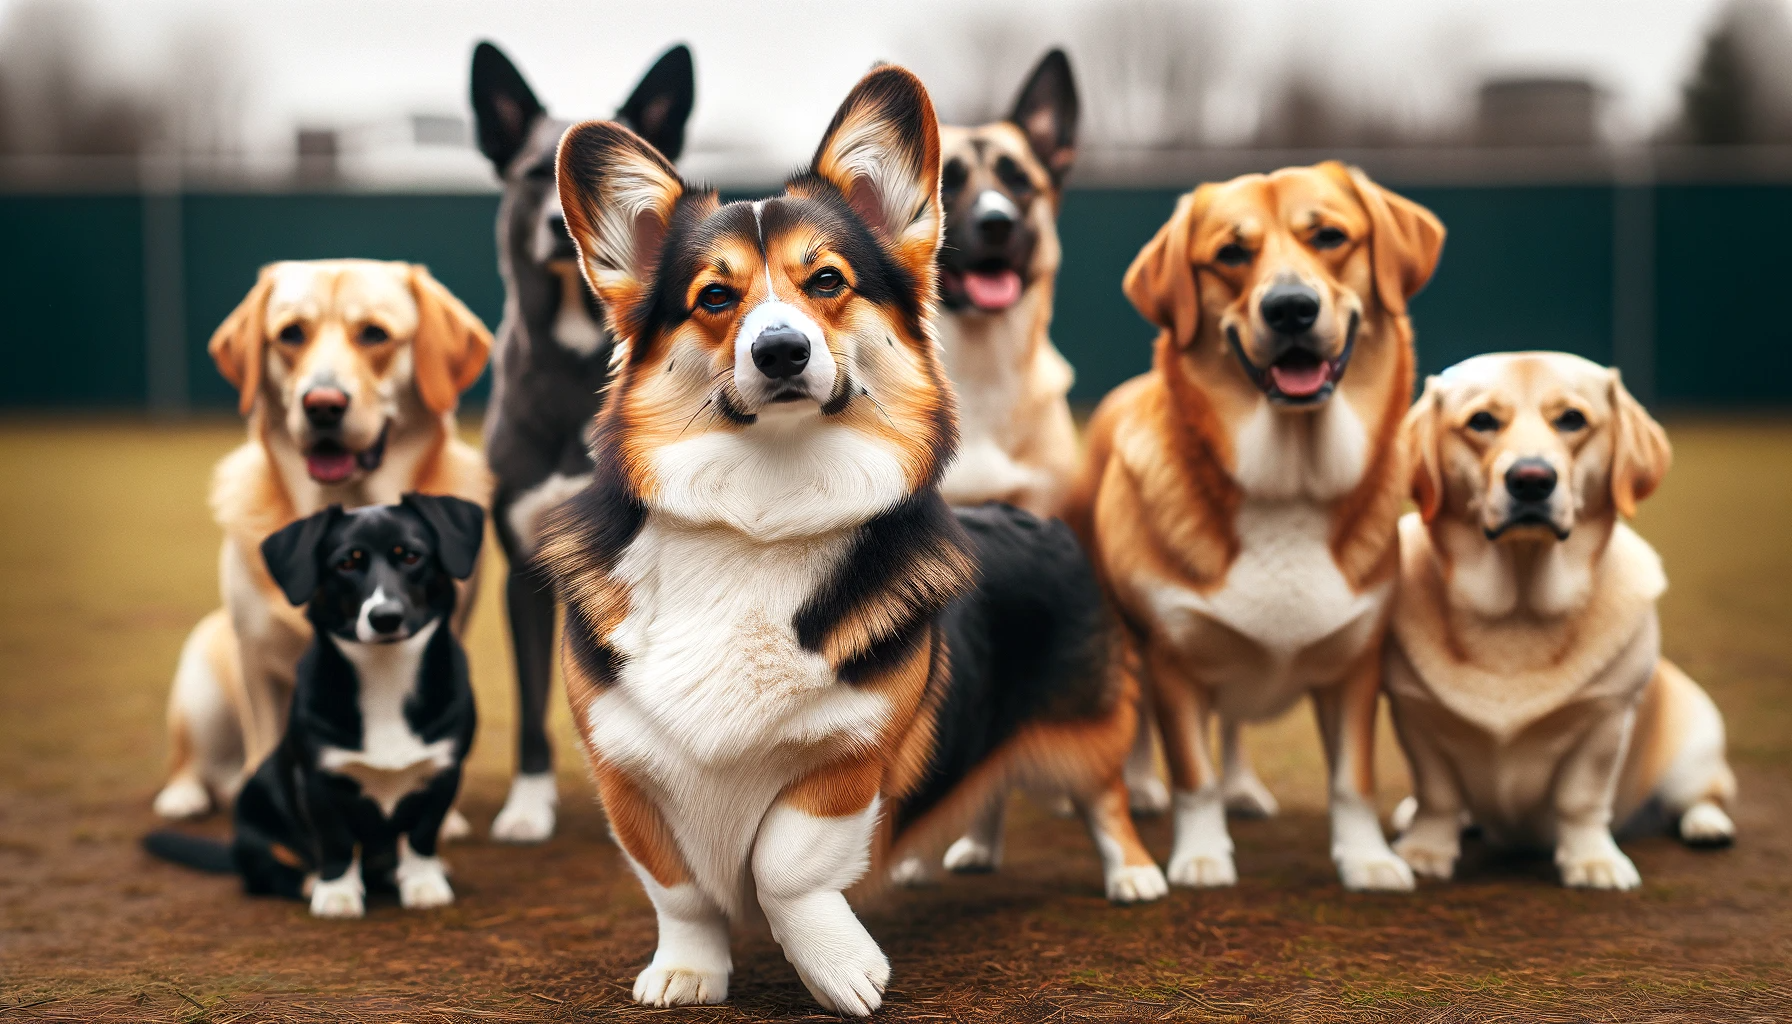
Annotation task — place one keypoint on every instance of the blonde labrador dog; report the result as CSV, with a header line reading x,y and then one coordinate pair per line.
x,y
349,372
1525,666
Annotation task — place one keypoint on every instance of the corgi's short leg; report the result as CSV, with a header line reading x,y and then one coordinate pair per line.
x,y
1128,873
801,863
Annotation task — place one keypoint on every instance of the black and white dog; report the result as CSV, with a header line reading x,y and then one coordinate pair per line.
x,y
382,714
550,367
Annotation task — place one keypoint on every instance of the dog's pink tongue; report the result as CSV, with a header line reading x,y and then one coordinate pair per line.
x,y
1300,381
330,468
992,290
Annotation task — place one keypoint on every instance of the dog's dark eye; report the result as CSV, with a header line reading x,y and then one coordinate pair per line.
x,y
293,334
1013,177
716,298
1329,238
1233,255
374,334
407,557
826,283
952,179
353,561
1571,420
1483,422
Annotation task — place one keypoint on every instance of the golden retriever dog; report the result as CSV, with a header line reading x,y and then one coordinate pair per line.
x,y
1240,499
349,372
1525,665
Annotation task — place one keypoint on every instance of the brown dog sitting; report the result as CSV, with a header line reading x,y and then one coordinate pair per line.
x,y
1240,499
1525,665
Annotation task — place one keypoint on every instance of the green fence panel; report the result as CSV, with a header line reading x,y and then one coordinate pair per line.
x,y
71,286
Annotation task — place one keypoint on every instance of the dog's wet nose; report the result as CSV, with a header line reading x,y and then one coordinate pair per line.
x,y
385,620
1531,480
1290,308
781,352
324,407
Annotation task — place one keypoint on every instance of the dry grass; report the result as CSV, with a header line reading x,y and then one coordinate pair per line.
x,y
108,557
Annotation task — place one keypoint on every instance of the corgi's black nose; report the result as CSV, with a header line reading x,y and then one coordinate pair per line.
x,y
781,352
324,406
1531,480
386,620
1290,308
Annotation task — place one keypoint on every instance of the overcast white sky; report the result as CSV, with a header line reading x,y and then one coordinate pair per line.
x,y
771,71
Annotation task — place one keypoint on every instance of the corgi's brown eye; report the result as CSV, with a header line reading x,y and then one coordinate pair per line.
x,y
373,334
1483,422
1329,238
716,298
1232,255
1571,420
353,561
827,282
292,334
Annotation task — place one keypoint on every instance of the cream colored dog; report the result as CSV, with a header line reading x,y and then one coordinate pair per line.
x,y
1525,671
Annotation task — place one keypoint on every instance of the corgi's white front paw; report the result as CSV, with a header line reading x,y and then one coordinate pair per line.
x,y
665,985
848,981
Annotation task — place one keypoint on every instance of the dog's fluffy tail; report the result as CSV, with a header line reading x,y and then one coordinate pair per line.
x,y
191,851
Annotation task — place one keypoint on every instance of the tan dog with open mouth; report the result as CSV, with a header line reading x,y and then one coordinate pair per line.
x,y
1525,665
1240,499
349,372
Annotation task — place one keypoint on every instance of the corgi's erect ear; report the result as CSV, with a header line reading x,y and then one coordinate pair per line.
x,y
1419,445
882,152
1405,241
1640,450
451,346
238,343
1161,282
291,554
504,108
1046,112
661,104
618,194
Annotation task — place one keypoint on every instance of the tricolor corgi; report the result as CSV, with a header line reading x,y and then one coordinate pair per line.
x,y
785,655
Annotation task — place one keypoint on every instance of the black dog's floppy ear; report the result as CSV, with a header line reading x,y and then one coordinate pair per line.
x,y
503,106
291,554
459,527
661,104
1046,112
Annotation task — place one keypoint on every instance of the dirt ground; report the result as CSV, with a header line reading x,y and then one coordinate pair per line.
x,y
107,557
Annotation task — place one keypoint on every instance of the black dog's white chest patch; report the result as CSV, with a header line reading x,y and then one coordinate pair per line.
x,y
393,760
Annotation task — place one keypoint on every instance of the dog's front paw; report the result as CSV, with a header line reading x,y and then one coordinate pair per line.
x,y
529,811
680,986
911,873
183,798
971,856
1598,866
339,897
1705,824
1136,883
849,981
1373,871
1247,797
422,884
1427,859
1206,870
1147,796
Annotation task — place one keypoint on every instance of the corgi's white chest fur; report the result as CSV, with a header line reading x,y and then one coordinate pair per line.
x,y
1284,617
393,761
716,707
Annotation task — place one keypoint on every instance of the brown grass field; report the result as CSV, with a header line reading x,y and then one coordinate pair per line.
x,y
108,557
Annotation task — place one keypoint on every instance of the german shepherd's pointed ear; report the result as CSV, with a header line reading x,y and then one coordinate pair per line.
x,y
291,554
1161,282
1640,450
618,194
451,346
238,343
661,104
1405,240
459,526
1418,444
882,152
1046,112
504,108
